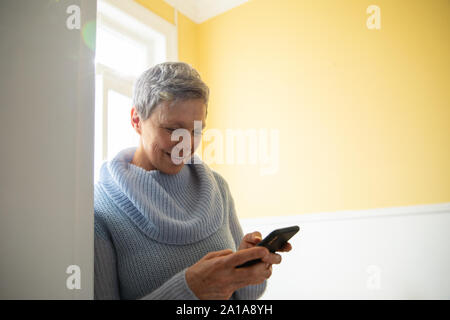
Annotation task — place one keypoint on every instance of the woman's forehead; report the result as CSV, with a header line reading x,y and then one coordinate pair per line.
x,y
182,113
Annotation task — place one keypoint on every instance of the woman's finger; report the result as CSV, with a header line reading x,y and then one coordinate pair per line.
x,y
250,240
245,255
253,238
286,247
272,258
220,253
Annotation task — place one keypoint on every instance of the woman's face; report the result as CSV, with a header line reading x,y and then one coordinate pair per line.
x,y
154,151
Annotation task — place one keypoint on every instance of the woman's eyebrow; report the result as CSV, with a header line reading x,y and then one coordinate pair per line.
x,y
181,125
173,124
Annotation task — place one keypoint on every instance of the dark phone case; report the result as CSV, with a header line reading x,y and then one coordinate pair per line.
x,y
274,242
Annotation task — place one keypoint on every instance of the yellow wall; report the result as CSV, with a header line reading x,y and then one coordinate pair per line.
x,y
363,115
159,7
187,40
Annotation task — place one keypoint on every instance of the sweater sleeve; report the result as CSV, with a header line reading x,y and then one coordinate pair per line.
x,y
176,288
106,282
251,292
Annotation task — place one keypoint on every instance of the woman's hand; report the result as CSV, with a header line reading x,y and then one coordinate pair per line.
x,y
250,240
215,276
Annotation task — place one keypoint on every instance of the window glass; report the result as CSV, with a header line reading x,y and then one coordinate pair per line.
x,y
121,134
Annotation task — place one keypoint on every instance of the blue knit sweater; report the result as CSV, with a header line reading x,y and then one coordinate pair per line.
x,y
150,227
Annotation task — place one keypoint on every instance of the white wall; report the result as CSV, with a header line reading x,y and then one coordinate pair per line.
x,y
392,253
46,143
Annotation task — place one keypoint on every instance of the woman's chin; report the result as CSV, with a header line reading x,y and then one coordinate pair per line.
x,y
172,167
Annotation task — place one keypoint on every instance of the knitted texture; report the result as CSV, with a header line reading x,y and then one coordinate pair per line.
x,y
150,227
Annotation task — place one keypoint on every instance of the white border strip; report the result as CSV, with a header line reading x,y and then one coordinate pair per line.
x,y
350,214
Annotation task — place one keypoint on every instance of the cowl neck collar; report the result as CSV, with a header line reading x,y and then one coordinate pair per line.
x,y
175,209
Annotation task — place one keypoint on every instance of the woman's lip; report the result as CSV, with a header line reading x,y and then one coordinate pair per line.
x,y
175,157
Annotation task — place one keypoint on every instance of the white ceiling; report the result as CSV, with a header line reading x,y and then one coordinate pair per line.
x,y
202,10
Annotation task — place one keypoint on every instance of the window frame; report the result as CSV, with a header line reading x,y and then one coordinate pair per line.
x,y
139,24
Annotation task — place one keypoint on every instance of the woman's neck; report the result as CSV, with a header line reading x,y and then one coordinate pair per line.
x,y
141,160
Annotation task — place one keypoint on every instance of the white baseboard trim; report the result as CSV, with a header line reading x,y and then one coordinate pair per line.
x,y
438,208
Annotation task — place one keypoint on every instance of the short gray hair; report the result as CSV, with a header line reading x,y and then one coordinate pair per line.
x,y
168,81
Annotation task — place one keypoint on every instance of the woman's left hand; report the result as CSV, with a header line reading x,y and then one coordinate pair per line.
x,y
252,239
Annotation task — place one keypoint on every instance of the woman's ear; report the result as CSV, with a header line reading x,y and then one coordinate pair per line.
x,y
135,120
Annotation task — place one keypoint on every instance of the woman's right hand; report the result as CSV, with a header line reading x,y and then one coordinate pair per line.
x,y
215,276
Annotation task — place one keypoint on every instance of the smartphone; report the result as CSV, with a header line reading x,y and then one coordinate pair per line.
x,y
274,242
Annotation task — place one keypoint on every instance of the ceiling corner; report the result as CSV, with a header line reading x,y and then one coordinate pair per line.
x,y
202,10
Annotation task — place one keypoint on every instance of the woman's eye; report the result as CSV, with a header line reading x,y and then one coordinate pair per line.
x,y
170,129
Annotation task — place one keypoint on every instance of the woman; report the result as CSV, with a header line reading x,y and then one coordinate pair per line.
x,y
165,229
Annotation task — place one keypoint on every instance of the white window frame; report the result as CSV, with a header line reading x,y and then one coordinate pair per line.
x,y
131,9
141,25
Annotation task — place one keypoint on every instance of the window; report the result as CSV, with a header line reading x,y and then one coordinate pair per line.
x,y
120,53
130,39
120,132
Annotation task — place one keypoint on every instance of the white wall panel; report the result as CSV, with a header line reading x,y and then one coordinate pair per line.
x,y
47,149
390,253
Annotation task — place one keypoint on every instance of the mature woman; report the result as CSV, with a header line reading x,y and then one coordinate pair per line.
x,y
165,228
